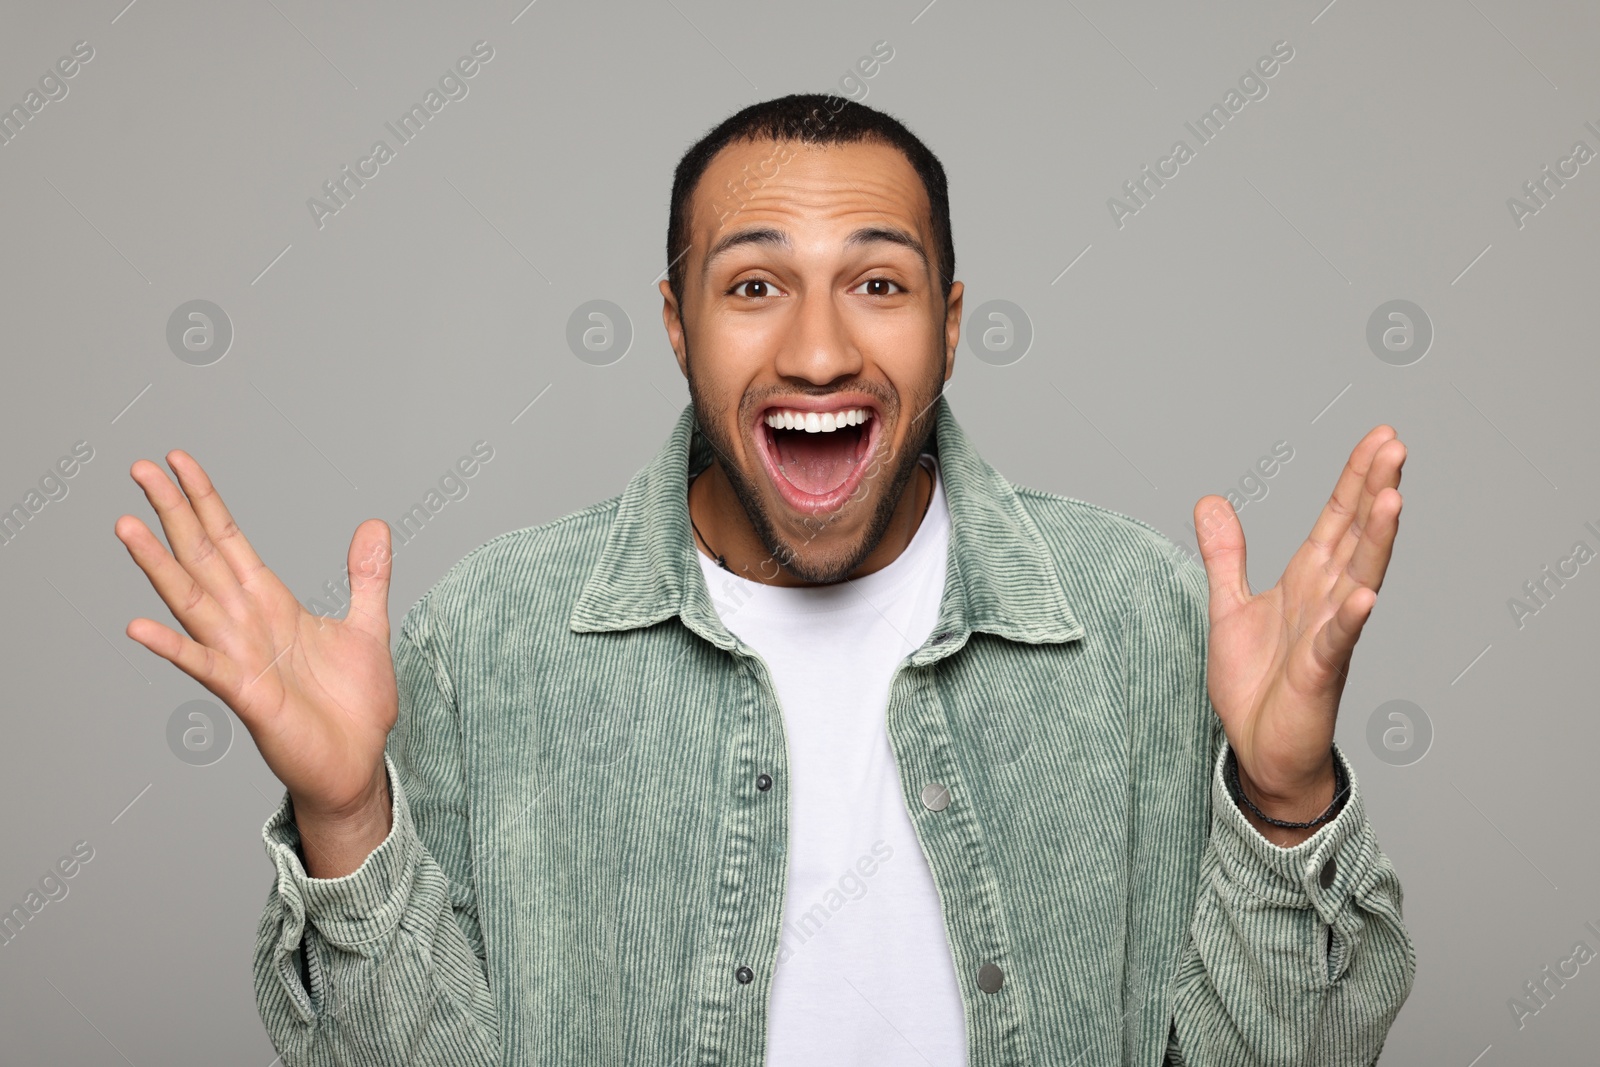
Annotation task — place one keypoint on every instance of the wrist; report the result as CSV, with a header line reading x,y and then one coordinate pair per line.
x,y
348,807
335,843
1300,803
1286,818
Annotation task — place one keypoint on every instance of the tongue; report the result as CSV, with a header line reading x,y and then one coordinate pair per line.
x,y
817,463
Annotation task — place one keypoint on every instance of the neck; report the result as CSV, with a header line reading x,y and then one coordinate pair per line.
x,y
722,522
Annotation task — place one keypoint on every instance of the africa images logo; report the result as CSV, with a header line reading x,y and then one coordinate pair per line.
x,y
452,86
1252,86
53,87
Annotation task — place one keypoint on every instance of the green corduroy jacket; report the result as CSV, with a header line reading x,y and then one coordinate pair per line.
x,y
581,866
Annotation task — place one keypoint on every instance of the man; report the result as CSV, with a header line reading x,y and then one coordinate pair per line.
x,y
821,742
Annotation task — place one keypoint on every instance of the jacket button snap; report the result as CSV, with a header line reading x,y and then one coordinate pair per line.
x,y
763,782
990,978
745,975
935,797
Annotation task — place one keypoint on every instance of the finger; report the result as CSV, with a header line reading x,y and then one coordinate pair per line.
x,y
1370,559
1336,641
210,668
191,605
1221,540
187,538
1383,474
370,563
217,520
1341,507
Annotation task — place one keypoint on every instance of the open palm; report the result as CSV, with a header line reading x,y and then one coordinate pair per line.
x,y
317,695
1276,661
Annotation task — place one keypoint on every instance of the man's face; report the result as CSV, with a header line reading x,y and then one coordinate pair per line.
x,y
815,339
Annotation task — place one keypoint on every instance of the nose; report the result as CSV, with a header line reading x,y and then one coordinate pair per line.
x,y
819,348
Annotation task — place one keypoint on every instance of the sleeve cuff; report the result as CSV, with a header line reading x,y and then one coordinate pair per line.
x,y
1320,872
355,909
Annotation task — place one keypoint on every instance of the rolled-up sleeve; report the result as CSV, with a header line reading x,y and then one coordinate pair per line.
x,y
384,965
1295,955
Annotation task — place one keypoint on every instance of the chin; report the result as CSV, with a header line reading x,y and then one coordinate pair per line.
x,y
823,548
822,565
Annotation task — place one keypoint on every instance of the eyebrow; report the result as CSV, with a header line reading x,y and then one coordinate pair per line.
x,y
768,235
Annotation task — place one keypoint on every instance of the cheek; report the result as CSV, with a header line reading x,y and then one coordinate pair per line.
x,y
718,392
730,351
907,350
729,361
918,390
719,361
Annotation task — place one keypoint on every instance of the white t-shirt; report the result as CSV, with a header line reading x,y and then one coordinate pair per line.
x,y
865,974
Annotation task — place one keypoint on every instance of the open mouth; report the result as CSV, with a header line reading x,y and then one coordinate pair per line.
x,y
816,458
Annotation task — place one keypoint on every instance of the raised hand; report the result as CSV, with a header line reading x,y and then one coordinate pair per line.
x,y
1277,660
318,695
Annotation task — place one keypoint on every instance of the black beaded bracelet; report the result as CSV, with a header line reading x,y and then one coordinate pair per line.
x,y
1341,785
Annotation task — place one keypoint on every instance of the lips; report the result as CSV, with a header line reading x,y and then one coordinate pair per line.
x,y
815,452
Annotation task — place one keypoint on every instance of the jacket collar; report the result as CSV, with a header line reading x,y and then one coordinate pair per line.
x,y
1000,579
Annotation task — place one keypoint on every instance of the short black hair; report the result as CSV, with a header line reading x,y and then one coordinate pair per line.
x,y
810,119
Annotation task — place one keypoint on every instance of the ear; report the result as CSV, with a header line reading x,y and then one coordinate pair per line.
x,y
952,328
672,319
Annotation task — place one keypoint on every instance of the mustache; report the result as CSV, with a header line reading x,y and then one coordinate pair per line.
x,y
888,400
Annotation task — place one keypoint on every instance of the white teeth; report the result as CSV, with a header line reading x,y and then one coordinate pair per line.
x,y
817,422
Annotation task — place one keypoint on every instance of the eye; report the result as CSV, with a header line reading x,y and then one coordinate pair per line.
x,y
759,287
879,284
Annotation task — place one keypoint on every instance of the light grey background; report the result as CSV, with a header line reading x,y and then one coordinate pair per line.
x,y
368,355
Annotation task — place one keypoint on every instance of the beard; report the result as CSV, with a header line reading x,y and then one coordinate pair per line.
x,y
802,556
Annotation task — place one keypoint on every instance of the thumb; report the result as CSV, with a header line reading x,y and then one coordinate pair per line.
x,y
1221,540
371,563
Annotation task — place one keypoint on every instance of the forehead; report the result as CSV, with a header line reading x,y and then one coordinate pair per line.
x,y
800,187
